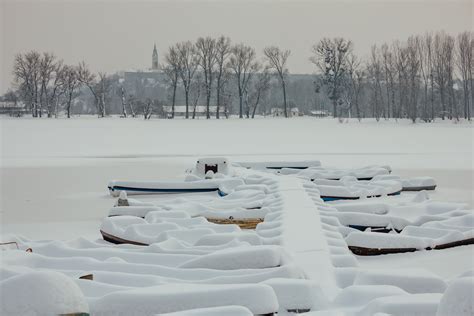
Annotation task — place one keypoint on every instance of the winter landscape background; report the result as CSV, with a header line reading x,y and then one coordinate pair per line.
x,y
95,91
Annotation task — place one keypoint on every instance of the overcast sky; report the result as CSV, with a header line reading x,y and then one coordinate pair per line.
x,y
119,35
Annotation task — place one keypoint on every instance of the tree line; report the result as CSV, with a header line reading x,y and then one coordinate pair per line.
x,y
213,64
423,77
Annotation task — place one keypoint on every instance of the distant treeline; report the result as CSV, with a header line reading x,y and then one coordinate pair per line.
x,y
425,77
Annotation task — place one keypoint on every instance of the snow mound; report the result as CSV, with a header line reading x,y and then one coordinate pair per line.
x,y
214,311
410,280
139,211
458,299
401,305
360,295
298,294
219,239
256,257
258,298
386,241
41,293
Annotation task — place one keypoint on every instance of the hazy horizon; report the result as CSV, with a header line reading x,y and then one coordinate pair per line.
x,y
114,36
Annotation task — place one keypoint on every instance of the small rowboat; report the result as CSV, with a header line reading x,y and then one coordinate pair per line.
x,y
172,187
278,165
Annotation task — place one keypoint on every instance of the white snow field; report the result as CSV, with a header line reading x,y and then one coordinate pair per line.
x,y
55,201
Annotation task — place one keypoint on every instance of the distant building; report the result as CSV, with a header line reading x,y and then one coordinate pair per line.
x,y
277,112
320,113
295,112
180,110
13,108
154,59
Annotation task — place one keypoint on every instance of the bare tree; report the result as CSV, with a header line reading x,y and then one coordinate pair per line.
x,y
356,76
226,93
329,55
389,71
52,84
71,85
259,89
277,59
374,70
413,66
242,62
172,70
26,71
465,67
196,88
449,57
207,51
430,69
223,49
103,90
123,100
401,64
147,108
188,63
131,104
99,88
425,52
471,72
47,67
86,77
443,64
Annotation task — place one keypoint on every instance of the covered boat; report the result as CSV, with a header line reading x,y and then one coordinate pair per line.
x,y
169,187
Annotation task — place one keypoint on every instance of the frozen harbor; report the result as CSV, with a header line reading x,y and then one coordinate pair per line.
x,y
58,192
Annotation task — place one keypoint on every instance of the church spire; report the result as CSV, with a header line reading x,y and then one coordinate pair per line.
x,y
154,58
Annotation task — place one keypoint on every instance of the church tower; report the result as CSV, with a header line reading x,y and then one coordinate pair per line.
x,y
154,59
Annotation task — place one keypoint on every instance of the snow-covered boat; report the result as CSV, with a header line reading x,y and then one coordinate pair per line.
x,y
245,206
277,165
411,184
159,226
364,173
393,214
441,234
171,187
349,188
